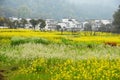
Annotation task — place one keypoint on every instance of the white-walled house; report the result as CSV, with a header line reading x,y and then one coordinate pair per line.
x,y
71,23
50,24
98,23
62,24
4,27
105,22
14,19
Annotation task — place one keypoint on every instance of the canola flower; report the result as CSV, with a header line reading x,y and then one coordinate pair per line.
x,y
90,69
56,36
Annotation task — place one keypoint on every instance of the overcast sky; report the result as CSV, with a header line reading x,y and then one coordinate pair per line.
x,y
93,1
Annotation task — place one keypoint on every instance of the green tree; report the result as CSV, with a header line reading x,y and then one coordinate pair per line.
x,y
9,23
116,21
58,27
102,28
88,27
23,22
42,23
34,23
16,24
109,27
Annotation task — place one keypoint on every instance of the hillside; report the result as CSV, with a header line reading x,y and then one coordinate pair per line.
x,y
102,9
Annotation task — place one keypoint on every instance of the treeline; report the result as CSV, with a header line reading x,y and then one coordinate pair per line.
x,y
21,23
12,24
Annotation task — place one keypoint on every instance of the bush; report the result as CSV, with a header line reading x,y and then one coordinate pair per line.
x,y
40,40
18,40
85,45
66,41
22,40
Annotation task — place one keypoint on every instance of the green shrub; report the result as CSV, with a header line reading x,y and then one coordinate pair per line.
x,y
91,45
18,40
22,40
66,41
39,40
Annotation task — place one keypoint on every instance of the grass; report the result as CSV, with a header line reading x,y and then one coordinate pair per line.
x,y
29,55
32,50
21,57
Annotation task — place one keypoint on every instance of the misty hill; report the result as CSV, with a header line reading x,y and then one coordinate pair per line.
x,y
80,9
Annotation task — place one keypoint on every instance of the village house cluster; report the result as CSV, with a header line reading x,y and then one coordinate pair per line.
x,y
67,24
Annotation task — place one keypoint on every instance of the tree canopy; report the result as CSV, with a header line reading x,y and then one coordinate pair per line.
x,y
116,21
42,24
34,22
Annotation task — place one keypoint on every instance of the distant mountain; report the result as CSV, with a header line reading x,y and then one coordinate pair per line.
x,y
80,9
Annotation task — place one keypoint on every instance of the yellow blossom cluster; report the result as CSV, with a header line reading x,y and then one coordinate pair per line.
x,y
56,36
89,69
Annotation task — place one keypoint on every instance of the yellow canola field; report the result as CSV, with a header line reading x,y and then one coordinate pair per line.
x,y
56,36
90,69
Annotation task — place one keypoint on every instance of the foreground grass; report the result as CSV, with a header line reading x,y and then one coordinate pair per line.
x,y
31,61
32,50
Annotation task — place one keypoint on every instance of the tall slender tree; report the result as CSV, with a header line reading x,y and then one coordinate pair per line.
x,y
23,22
42,23
116,21
9,23
16,24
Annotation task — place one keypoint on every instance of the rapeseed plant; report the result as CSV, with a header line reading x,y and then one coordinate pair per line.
x,y
56,37
94,69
